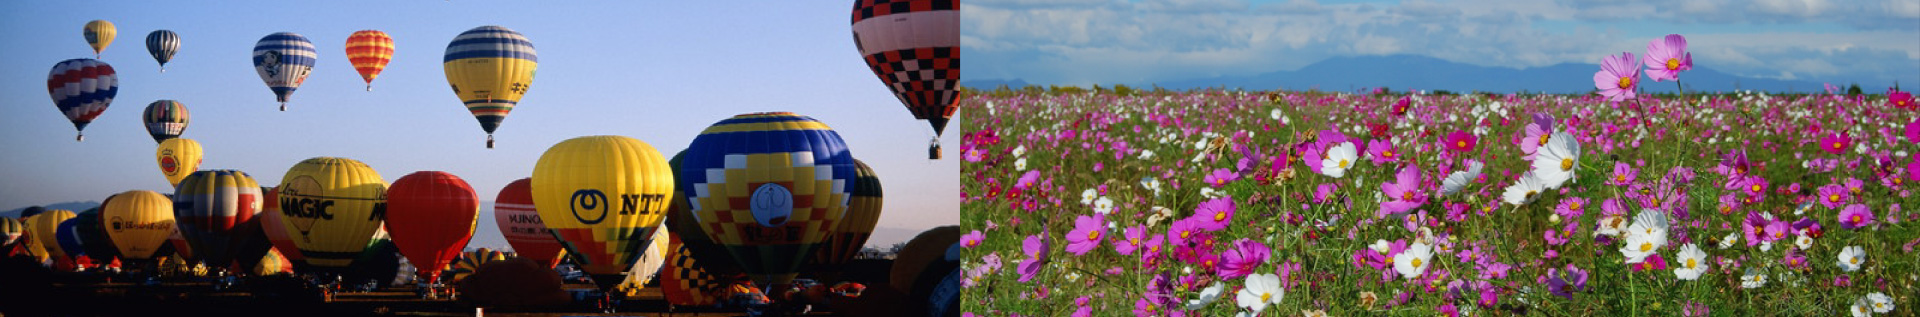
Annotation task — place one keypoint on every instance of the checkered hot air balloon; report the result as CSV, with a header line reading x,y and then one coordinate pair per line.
x,y
283,61
685,280
770,187
490,68
914,47
166,119
162,44
369,51
82,89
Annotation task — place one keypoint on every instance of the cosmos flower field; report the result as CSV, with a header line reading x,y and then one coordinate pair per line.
x,y
1289,203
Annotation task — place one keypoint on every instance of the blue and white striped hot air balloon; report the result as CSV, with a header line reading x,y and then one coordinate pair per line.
x,y
283,60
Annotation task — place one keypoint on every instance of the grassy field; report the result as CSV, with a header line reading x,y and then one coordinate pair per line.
x,y
1114,203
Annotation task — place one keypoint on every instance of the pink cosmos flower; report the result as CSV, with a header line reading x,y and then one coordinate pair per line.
x,y
1667,57
1623,174
1405,192
1400,107
1617,77
1833,195
1243,258
1134,236
1213,215
972,239
1537,135
1460,142
1087,234
1856,216
1913,131
1220,177
1382,151
1901,100
1036,248
1150,251
1836,143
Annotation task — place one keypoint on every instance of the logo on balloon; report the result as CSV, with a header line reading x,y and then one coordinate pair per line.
x,y
772,204
589,200
167,162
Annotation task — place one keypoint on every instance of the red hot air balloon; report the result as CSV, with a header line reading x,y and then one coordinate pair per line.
x,y
277,231
520,224
430,216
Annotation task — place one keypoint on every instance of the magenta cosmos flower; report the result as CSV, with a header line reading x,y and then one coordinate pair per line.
x,y
1913,131
1667,57
1404,192
972,239
1900,100
1131,240
1617,77
1461,142
1036,249
1382,151
1213,215
1836,143
1856,216
1087,233
1245,256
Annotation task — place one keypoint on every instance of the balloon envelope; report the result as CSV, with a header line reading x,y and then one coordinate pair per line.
x,y
10,231
490,68
863,213
162,44
276,230
513,212
283,61
138,222
369,51
603,196
99,34
332,207
212,209
165,119
769,187
685,280
914,47
177,159
46,232
431,216
82,89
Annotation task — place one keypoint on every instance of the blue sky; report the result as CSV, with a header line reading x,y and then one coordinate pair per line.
x,y
658,71
1083,42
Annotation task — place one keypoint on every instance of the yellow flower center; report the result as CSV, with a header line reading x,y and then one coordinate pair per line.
x,y
1620,178
1690,263
1756,188
1461,143
1833,198
1531,193
1220,216
1626,82
1416,263
1778,235
1093,236
1544,138
1387,153
1343,163
1566,164
1208,264
1854,260
1646,246
972,243
1574,205
1134,241
1673,64
1266,297
1186,234
1407,196
1856,218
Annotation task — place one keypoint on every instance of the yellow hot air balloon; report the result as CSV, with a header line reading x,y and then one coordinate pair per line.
x,y
331,207
99,34
44,227
490,67
28,244
603,196
178,157
863,213
138,222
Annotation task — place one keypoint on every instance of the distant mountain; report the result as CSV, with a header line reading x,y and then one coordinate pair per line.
x,y
1402,72
992,83
75,206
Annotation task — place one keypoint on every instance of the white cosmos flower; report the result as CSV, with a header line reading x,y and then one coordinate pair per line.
x,y
1852,257
1861,308
1523,190
1103,205
1460,179
1207,296
1554,164
1020,150
1208,192
1414,260
1753,279
1610,226
1690,263
1339,158
1880,302
1803,241
1729,241
1380,246
1146,154
1151,184
1020,164
1087,196
1653,219
1262,290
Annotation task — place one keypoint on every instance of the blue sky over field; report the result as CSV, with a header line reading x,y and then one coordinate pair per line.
x,y
1083,42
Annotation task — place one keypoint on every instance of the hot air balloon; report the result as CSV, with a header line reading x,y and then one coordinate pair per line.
x,y
82,89
470,262
431,216
927,262
99,34
165,119
275,229
177,158
863,212
603,196
67,235
162,44
177,244
30,247
46,228
490,68
650,261
770,187
520,224
93,235
273,263
283,61
369,51
212,210
684,280
914,47
718,262
379,261
10,231
332,207
31,211
138,222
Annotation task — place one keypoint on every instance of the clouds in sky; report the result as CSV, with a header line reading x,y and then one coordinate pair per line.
x,y
1082,42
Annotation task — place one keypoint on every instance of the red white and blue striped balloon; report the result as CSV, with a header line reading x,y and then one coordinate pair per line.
x,y
82,88
283,61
